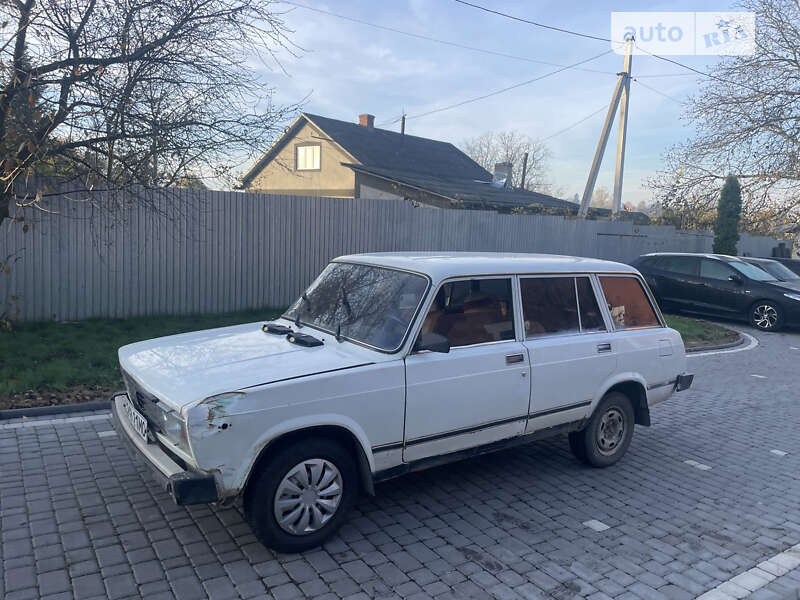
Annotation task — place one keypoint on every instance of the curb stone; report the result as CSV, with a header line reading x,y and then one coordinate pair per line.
x,y
738,342
60,409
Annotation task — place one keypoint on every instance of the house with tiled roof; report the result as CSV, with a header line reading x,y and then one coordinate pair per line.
x,y
319,156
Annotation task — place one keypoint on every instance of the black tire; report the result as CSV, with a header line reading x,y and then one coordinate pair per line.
x,y
260,498
593,447
765,315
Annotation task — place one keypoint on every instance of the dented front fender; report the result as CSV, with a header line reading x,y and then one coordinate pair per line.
x,y
228,432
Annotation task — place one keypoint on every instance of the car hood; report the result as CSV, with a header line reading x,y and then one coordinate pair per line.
x,y
186,368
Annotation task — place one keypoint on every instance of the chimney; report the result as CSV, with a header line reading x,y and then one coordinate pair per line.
x,y
367,120
502,175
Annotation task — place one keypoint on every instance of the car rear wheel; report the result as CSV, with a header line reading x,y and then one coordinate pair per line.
x,y
302,496
766,316
606,437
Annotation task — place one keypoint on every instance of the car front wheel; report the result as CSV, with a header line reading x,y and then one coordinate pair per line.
x,y
606,437
302,496
766,316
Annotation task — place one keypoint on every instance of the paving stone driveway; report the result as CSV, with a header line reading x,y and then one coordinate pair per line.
x,y
80,519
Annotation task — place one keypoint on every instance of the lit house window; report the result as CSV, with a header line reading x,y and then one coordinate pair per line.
x,y
308,157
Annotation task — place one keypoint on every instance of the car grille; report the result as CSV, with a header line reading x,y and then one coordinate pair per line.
x,y
145,403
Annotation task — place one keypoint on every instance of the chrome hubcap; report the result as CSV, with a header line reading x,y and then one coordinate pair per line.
x,y
308,496
765,316
611,431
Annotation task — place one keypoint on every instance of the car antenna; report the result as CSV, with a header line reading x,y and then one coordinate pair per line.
x,y
338,332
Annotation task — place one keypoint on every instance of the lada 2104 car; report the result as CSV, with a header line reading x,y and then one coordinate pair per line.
x,y
390,363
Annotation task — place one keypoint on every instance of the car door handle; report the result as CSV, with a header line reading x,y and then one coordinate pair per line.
x,y
512,359
604,347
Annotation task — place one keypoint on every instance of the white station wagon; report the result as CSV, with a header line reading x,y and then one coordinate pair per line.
x,y
390,363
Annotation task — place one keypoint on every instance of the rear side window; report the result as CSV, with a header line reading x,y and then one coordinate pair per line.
x,y
475,311
549,306
559,305
591,318
628,303
686,265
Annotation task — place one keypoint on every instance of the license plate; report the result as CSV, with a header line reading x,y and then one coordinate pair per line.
x,y
136,419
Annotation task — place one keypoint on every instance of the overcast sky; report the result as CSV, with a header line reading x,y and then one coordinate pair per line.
x,y
345,68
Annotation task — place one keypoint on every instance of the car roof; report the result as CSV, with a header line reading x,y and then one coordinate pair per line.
x,y
441,265
723,257
756,259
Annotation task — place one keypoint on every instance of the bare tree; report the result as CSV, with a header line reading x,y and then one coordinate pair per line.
x,y
747,122
510,146
601,197
121,92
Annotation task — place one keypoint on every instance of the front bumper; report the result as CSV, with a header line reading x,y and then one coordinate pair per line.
x,y
185,486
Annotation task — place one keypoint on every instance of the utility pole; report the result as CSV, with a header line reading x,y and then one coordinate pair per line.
x,y
524,171
622,91
623,132
403,124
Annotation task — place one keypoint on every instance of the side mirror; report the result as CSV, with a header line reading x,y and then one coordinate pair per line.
x,y
736,279
433,342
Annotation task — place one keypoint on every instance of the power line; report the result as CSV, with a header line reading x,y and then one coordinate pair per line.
x,y
652,75
659,92
459,45
500,91
575,124
537,24
699,72
603,39
436,40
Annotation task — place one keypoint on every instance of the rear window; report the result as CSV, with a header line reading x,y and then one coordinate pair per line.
x,y
628,303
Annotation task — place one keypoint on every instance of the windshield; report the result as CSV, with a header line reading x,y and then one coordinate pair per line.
x,y
752,271
367,304
779,271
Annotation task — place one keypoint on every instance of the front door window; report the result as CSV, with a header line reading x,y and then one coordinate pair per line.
x,y
714,269
474,311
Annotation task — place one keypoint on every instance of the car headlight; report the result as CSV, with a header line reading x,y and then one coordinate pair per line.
x,y
174,428
793,296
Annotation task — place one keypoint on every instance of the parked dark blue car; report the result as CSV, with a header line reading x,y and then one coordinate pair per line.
x,y
722,286
783,269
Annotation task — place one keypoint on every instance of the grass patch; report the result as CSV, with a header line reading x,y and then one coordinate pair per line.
x,y
47,356
697,333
